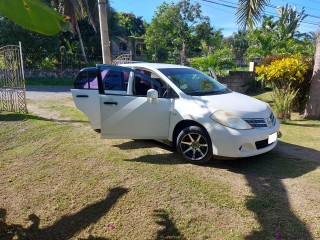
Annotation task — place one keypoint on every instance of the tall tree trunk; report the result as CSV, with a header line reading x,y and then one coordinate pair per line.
x,y
312,110
81,43
183,54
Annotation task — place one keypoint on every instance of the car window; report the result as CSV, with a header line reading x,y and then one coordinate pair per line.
x,y
86,80
194,82
162,87
81,80
142,83
111,79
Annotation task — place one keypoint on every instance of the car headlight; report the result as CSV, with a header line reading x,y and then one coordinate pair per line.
x,y
230,120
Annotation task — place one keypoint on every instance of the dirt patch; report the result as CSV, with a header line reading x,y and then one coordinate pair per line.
x,y
38,96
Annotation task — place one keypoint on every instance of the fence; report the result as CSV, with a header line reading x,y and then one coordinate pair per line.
x,y
58,60
12,84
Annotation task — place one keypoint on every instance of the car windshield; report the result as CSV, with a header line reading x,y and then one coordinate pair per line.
x,y
193,82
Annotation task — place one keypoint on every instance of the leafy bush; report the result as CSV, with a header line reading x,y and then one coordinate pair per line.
x,y
283,98
286,76
304,87
219,60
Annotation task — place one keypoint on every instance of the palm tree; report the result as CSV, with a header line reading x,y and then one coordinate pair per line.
x,y
249,14
80,9
75,9
312,110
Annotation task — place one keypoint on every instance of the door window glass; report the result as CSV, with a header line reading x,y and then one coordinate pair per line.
x,y
114,79
86,80
147,80
142,83
81,80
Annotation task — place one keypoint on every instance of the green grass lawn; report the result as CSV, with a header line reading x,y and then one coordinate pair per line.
x,y
59,180
49,81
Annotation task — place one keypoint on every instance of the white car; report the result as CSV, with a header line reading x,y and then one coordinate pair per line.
x,y
179,105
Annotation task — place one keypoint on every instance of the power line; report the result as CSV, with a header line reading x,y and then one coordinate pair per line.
x,y
309,15
269,5
221,4
217,8
301,5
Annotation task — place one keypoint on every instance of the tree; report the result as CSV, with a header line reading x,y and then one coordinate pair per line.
x,y
75,9
209,38
130,25
238,43
312,110
248,14
288,23
172,28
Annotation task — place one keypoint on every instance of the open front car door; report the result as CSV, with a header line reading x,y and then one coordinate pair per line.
x,y
139,113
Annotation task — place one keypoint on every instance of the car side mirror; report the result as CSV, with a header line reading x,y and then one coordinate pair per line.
x,y
152,96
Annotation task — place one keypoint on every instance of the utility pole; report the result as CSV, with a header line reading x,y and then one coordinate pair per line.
x,y
105,42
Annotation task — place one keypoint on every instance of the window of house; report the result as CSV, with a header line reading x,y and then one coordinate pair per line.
x,y
122,46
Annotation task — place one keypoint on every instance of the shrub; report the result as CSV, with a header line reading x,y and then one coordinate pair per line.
x,y
218,61
286,76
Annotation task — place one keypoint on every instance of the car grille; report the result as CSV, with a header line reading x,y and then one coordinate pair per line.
x,y
262,144
261,122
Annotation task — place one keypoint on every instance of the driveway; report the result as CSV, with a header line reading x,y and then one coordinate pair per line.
x,y
47,93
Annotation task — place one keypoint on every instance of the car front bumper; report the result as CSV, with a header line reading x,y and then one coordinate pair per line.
x,y
228,142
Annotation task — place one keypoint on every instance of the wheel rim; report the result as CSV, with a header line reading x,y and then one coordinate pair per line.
x,y
194,146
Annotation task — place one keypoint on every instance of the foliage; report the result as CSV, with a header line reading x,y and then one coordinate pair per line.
x,y
288,23
209,38
218,61
35,15
282,73
249,12
261,44
130,25
239,44
294,46
172,30
283,98
280,36
286,76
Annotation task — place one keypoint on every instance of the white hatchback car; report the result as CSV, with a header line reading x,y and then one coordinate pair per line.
x,y
179,105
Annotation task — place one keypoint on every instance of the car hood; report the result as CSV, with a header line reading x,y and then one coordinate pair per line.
x,y
239,104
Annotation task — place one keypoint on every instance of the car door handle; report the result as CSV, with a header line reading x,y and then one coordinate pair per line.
x,y
82,96
110,103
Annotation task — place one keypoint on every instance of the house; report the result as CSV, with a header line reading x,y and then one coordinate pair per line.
x,y
126,45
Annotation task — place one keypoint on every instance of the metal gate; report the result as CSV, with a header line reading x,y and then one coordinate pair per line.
x,y
12,83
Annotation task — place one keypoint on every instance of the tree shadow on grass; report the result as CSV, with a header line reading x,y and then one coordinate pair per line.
x,y
264,175
64,228
169,229
270,203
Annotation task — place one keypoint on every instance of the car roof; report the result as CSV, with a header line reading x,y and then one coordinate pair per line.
x,y
141,64
152,65
88,69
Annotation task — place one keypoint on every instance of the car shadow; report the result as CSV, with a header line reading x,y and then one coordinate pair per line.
x,y
11,117
264,175
138,144
67,226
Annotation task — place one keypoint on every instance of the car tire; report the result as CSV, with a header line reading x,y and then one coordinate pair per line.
x,y
194,144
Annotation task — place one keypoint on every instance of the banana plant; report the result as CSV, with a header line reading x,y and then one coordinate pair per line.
x,y
35,15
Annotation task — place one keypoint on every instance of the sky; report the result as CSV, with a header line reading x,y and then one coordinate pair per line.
x,y
222,12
